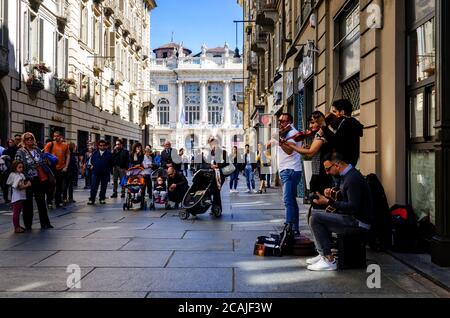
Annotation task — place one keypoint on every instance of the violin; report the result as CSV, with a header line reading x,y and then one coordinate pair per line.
x,y
301,136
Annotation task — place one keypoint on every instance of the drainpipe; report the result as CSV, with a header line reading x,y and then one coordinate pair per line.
x,y
19,53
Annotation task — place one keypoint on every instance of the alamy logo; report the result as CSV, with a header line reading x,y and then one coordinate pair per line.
x,y
74,279
374,279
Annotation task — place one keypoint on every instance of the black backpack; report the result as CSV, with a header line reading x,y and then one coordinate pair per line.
x,y
380,232
405,234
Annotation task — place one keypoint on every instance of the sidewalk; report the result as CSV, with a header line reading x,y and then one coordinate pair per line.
x,y
155,254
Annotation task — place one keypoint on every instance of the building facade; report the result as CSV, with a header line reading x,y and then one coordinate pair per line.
x,y
389,59
80,67
196,96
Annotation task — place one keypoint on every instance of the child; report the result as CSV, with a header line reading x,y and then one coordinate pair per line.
x,y
160,192
17,181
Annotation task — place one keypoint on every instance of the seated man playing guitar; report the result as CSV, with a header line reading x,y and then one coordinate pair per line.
x,y
349,210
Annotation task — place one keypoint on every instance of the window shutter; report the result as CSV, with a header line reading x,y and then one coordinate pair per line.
x,y
26,37
66,57
56,57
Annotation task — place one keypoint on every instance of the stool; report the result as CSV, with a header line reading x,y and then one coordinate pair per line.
x,y
351,251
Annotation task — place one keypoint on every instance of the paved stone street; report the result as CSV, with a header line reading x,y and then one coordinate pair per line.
x,y
155,254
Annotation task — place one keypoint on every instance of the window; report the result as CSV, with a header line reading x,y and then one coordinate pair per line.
x,y
84,24
37,129
163,108
215,104
163,88
192,104
421,102
348,46
3,26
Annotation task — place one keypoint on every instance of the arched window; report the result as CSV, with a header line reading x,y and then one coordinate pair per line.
x,y
163,111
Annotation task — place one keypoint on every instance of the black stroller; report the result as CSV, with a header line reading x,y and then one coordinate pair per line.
x,y
198,198
159,173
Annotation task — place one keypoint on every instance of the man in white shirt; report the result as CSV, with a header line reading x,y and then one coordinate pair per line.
x,y
290,169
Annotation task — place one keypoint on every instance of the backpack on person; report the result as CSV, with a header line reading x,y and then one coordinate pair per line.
x,y
380,232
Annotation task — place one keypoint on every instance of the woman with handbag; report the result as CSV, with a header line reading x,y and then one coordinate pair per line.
x,y
31,157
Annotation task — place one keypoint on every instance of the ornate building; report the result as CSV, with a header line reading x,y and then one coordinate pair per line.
x,y
80,67
195,96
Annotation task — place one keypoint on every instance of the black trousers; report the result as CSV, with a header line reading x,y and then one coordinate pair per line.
x,y
217,200
37,190
57,192
177,195
102,181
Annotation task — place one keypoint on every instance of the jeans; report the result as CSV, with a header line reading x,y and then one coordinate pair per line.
x,y
268,180
102,181
234,179
290,180
250,176
323,224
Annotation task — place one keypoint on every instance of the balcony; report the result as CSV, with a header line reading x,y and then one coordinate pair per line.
x,y
267,15
252,63
118,16
4,61
109,7
259,41
61,90
99,65
35,4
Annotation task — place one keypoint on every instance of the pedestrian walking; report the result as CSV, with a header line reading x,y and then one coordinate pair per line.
x,y
19,184
249,169
235,159
121,162
101,162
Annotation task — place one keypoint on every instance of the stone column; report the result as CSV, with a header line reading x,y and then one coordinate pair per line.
x,y
180,109
204,102
226,105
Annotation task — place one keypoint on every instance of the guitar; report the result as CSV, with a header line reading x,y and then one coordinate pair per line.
x,y
336,195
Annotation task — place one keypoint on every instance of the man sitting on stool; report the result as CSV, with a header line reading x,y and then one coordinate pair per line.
x,y
352,215
178,186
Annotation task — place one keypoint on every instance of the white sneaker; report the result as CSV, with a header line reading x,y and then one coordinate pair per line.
x,y
231,191
323,265
255,192
236,191
248,191
313,260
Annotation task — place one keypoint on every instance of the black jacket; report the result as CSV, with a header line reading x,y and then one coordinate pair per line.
x,y
357,198
137,162
347,140
121,158
169,157
181,182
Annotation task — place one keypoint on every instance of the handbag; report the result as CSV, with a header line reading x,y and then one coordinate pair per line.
x,y
228,170
42,175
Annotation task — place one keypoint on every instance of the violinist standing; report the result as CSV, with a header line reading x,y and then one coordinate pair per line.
x,y
320,147
289,167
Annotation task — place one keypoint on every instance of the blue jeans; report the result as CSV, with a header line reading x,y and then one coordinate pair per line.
x,y
290,180
234,180
97,181
250,176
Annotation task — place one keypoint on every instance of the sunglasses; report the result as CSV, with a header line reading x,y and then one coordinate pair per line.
x,y
328,168
28,138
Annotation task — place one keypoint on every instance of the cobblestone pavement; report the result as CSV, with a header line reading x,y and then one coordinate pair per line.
x,y
155,254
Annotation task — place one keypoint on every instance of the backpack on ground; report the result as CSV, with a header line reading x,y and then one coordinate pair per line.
x,y
380,232
405,234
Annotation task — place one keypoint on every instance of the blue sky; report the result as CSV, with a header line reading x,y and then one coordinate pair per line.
x,y
195,22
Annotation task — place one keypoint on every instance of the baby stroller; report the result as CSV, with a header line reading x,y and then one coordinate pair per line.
x,y
198,198
135,188
159,173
